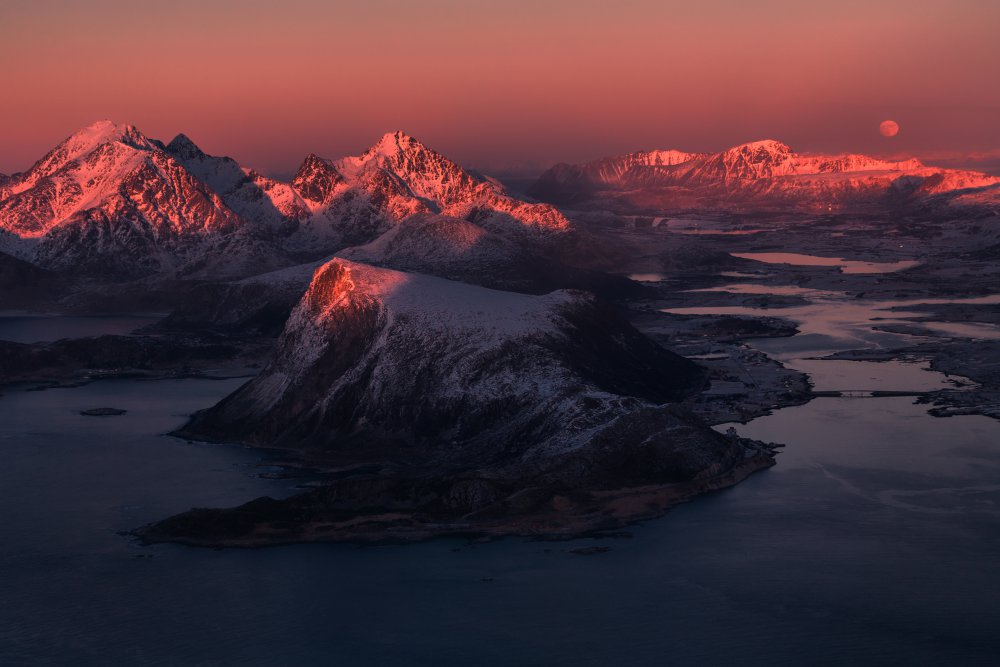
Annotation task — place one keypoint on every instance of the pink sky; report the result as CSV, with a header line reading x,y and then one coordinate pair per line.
x,y
505,82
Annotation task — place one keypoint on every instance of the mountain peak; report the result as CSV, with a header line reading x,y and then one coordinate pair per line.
x,y
104,131
667,157
183,146
312,159
314,165
84,141
757,159
393,143
762,148
99,133
400,137
103,126
316,179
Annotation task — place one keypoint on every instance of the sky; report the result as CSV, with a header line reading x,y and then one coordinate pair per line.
x,y
504,85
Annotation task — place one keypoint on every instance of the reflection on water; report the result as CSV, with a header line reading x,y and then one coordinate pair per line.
x,y
647,277
737,274
693,227
844,375
22,327
717,232
846,265
782,290
833,322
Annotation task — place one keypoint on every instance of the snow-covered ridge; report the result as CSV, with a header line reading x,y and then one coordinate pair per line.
x,y
111,171
767,158
770,158
495,371
254,197
440,185
757,170
435,301
75,146
108,196
665,158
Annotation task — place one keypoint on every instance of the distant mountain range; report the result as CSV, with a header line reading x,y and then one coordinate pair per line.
x,y
757,175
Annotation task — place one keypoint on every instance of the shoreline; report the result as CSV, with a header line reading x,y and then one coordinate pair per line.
x,y
972,360
595,512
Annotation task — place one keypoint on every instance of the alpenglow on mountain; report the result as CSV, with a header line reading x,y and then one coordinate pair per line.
x,y
757,175
110,201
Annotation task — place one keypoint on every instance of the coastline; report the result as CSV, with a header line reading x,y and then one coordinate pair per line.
x,y
574,515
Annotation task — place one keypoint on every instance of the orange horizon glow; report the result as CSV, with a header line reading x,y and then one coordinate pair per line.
x,y
514,83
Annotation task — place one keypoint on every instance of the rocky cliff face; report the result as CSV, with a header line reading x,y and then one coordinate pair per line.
x,y
464,398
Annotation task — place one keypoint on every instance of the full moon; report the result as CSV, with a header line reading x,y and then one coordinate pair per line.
x,y
889,128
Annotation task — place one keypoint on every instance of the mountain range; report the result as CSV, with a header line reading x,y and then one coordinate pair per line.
x,y
758,175
111,202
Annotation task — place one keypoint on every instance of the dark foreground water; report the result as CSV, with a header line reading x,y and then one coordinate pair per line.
x,y
875,541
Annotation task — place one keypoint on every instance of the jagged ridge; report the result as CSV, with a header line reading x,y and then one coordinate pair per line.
x,y
758,173
110,201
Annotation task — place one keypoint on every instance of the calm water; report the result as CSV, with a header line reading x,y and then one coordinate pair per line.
x,y
874,541
834,321
845,265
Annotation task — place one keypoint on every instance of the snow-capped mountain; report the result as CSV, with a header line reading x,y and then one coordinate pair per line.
x,y
762,173
431,244
252,196
362,337
457,249
606,172
113,169
347,210
770,159
362,196
109,200
552,393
